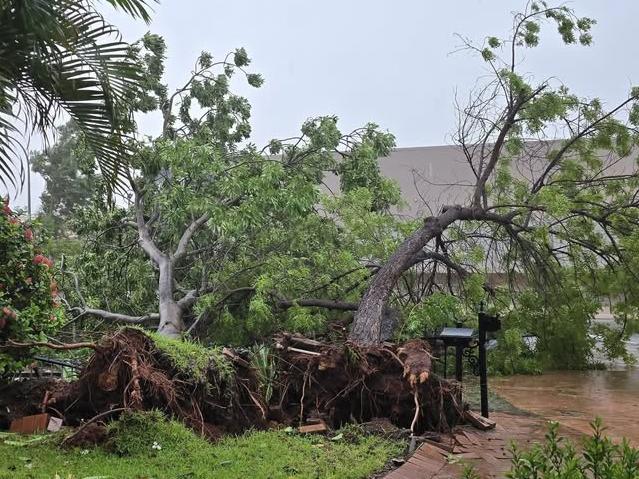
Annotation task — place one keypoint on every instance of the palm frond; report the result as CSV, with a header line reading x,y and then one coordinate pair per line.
x,y
135,8
63,56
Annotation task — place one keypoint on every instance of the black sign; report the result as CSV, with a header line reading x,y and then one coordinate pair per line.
x,y
489,323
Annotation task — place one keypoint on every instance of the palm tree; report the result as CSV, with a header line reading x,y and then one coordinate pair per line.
x,y
62,56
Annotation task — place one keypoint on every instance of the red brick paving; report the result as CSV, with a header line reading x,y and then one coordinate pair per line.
x,y
487,451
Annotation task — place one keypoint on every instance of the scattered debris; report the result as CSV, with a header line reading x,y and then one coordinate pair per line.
x,y
480,422
318,427
35,423
320,386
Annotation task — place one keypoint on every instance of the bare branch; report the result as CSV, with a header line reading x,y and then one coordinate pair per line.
x,y
186,237
117,317
44,344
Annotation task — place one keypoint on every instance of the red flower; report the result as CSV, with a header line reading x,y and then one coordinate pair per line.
x,y
8,313
42,259
5,207
28,234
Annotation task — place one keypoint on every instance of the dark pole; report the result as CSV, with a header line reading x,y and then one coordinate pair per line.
x,y
445,360
483,372
458,361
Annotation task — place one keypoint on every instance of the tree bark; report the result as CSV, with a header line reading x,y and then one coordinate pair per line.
x,y
171,321
367,325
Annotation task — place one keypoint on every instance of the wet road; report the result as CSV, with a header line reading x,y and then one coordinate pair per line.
x,y
574,398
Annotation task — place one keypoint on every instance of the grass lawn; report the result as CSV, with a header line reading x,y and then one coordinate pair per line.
x,y
179,454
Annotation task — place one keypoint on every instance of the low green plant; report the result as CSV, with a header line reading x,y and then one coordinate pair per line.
x,y
265,366
137,433
147,445
557,458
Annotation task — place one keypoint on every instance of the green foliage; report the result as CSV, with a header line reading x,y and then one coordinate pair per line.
x,y
599,458
265,366
304,320
271,233
29,303
435,312
561,320
264,238
148,443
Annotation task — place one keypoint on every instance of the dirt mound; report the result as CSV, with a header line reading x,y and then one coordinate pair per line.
x,y
90,435
24,398
296,381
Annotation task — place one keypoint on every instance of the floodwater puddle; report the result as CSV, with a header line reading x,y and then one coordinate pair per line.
x,y
574,398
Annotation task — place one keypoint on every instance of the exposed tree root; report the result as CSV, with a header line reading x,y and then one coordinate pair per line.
x,y
346,383
337,383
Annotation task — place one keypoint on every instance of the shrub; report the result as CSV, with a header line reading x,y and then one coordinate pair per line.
x,y
557,458
144,433
29,304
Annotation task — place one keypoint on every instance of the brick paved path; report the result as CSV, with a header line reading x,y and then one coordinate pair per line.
x,y
486,451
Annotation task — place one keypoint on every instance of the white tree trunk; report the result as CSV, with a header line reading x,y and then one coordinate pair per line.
x,y
171,323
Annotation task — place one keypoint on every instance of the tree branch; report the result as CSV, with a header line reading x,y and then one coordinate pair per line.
x,y
117,317
562,151
145,240
186,237
318,303
439,258
44,344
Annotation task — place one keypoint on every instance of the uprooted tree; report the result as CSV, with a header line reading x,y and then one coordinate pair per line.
x,y
556,185
238,242
216,232
216,221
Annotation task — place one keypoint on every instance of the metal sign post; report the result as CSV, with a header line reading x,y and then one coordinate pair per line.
x,y
486,324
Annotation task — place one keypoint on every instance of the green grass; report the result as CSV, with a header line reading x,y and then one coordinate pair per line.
x,y
189,358
183,455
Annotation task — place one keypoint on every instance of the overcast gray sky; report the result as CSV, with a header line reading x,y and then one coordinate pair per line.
x,y
389,62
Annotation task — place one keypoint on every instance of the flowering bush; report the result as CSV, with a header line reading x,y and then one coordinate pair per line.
x,y
29,304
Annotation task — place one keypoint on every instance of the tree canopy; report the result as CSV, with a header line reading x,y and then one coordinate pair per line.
x,y
215,237
550,196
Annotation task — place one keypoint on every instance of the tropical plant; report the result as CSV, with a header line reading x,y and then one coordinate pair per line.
x,y
29,305
61,55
